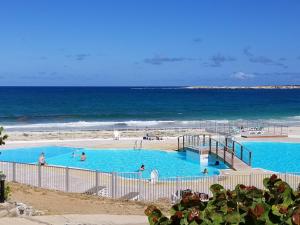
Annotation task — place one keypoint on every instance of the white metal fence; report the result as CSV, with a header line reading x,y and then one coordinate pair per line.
x,y
127,185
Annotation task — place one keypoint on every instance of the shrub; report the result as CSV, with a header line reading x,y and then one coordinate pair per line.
x,y
7,192
248,205
2,137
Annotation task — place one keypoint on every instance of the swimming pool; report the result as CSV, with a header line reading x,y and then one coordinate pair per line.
x,y
275,156
169,164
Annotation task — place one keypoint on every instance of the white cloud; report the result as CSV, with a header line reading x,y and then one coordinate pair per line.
x,y
242,76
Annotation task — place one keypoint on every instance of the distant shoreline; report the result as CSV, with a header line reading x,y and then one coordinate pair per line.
x,y
246,87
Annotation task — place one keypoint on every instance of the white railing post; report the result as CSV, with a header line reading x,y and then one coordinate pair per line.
x,y
14,170
97,182
215,179
140,185
250,179
285,176
177,185
39,176
113,185
67,179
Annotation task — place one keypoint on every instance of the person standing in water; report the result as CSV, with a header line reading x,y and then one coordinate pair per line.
x,y
83,157
42,160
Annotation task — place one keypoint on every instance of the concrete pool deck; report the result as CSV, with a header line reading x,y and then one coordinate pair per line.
x,y
100,219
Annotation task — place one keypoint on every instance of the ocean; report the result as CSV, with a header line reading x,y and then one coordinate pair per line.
x,y
44,108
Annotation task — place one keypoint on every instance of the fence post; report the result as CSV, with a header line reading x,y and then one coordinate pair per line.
x,y
224,154
285,176
250,158
113,185
242,150
14,170
39,175
232,159
183,141
209,145
67,179
217,149
96,182
177,185
140,185
215,178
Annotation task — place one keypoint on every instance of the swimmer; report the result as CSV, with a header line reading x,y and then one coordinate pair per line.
x,y
83,157
42,160
205,171
142,168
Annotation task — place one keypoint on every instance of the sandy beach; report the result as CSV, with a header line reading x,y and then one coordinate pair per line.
x,y
105,138
99,139
99,134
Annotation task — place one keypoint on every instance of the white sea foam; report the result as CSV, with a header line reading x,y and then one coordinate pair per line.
x,y
99,125
294,118
86,125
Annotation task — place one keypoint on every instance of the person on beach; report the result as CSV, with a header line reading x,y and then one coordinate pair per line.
x,y
205,171
142,168
42,160
83,157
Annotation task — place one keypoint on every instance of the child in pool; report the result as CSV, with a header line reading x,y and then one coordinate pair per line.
x,y
142,168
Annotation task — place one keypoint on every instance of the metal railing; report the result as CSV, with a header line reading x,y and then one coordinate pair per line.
x,y
246,128
226,151
127,185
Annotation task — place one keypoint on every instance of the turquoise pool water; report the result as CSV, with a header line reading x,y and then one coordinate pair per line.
x,y
275,156
169,164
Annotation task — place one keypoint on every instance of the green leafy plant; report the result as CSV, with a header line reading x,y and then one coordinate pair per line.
x,y
3,137
245,205
7,192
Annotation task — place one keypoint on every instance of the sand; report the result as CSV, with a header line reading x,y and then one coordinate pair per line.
x,y
58,203
103,134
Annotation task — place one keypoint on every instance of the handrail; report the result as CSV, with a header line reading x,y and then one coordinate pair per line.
x,y
205,140
141,144
135,146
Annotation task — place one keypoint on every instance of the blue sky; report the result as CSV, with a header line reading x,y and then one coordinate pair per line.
x,y
139,42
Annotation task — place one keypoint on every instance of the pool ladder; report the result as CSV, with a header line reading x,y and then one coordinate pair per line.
x,y
135,147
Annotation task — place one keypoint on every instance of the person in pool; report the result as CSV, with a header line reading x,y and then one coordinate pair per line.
x,y
217,163
142,168
205,171
82,157
42,160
